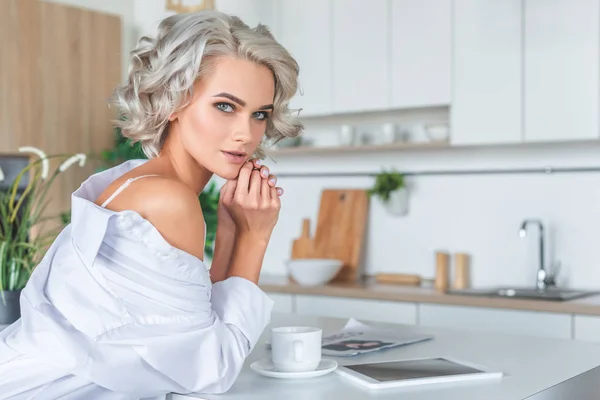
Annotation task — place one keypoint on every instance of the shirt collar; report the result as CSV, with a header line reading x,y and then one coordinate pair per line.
x,y
88,220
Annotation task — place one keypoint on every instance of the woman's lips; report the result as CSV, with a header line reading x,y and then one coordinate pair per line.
x,y
235,157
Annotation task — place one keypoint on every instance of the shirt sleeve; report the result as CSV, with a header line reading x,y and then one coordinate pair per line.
x,y
207,355
231,300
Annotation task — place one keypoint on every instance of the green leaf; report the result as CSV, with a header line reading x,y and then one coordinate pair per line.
x,y
385,183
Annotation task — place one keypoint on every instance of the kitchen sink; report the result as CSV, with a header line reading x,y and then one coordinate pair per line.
x,y
551,294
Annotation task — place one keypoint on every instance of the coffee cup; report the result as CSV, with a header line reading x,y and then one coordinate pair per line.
x,y
296,348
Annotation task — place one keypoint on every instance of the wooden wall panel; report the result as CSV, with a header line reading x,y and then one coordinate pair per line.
x,y
58,67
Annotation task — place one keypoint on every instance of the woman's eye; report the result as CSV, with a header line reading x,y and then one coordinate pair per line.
x,y
261,115
225,107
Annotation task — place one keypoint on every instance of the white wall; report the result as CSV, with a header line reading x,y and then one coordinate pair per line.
x,y
476,214
148,13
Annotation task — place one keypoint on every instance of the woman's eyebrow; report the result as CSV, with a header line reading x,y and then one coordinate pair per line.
x,y
232,98
241,102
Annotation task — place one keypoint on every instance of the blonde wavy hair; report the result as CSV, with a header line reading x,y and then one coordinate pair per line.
x,y
163,71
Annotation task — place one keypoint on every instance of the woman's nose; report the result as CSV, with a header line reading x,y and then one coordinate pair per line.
x,y
242,131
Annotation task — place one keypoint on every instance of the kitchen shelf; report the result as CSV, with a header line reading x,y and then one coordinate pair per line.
x,y
307,150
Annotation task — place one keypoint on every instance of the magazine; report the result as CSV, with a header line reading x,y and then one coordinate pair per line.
x,y
357,338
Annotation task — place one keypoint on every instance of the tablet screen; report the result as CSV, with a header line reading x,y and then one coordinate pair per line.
x,y
411,369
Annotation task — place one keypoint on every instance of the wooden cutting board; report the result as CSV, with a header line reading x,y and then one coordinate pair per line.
x,y
303,246
341,229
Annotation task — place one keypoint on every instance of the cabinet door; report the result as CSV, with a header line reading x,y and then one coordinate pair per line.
x,y
516,322
284,303
361,67
360,309
561,69
586,327
421,52
487,78
304,28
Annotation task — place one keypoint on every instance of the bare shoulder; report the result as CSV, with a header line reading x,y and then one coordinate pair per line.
x,y
171,207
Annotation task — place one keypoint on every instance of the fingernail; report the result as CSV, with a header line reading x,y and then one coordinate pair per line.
x,y
258,162
273,180
265,172
280,191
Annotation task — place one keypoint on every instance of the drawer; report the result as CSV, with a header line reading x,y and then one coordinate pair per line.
x,y
360,309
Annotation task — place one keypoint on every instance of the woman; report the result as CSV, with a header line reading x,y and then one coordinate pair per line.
x,y
122,305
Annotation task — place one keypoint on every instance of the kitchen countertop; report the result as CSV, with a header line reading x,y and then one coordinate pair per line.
x,y
371,290
530,365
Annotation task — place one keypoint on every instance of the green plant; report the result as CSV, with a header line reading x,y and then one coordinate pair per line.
x,y
124,149
23,239
385,183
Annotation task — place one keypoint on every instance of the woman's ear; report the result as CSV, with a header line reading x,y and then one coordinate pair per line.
x,y
173,117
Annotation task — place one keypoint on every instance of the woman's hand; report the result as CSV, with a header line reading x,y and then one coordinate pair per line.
x,y
252,201
225,221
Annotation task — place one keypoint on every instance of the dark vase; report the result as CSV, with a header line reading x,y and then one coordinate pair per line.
x,y
10,309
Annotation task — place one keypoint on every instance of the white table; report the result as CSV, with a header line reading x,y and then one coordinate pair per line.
x,y
530,365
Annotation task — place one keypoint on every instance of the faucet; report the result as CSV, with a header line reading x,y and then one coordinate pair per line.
x,y
544,279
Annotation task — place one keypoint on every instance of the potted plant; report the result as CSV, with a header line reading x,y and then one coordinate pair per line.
x,y
23,237
391,190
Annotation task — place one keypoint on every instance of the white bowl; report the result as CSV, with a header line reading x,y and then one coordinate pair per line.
x,y
437,132
313,271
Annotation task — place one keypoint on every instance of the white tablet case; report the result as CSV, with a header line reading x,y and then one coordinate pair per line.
x,y
370,383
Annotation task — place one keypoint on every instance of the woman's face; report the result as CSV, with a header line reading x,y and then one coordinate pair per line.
x,y
227,117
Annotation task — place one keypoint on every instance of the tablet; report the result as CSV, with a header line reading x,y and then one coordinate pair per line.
x,y
411,372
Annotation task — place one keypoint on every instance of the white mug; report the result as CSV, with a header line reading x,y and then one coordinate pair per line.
x,y
347,136
296,348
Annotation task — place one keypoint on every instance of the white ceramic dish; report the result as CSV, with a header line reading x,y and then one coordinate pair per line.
x,y
265,367
313,271
437,132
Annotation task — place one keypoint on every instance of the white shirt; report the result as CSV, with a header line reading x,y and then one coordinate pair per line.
x,y
113,311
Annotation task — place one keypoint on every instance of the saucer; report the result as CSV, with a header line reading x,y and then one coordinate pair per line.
x,y
265,367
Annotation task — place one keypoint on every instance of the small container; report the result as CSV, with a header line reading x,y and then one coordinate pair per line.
x,y
388,133
347,136
461,271
441,270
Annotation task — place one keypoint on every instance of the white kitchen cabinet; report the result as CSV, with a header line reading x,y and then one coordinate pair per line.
x,y
360,309
518,322
586,328
284,303
487,72
562,50
361,55
421,45
304,28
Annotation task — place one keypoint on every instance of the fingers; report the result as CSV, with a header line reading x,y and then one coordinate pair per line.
x,y
256,163
255,184
227,191
267,186
265,190
243,184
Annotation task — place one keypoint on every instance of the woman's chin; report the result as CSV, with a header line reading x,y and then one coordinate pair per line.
x,y
228,172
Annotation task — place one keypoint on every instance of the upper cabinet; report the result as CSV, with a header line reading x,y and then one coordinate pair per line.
x,y
511,71
361,67
561,67
487,85
525,71
421,43
306,33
